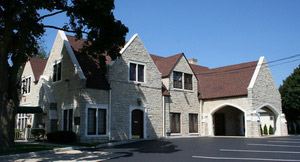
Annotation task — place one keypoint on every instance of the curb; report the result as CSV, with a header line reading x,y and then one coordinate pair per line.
x,y
112,144
36,153
23,155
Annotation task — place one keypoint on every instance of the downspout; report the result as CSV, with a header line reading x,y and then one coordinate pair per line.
x,y
163,130
109,112
201,118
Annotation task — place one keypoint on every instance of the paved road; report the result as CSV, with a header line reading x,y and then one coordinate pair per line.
x,y
188,149
211,149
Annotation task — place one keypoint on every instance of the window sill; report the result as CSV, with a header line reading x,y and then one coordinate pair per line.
x,y
176,134
183,90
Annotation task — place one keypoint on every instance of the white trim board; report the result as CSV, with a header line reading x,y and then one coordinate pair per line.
x,y
71,53
255,74
128,43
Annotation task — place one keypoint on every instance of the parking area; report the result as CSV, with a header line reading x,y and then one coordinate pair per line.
x,y
211,149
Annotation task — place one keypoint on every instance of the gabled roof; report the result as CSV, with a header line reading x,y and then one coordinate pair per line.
x,y
90,66
166,64
227,81
38,66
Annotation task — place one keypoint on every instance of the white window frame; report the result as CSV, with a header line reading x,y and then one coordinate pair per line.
x,y
61,66
182,80
96,106
24,78
68,107
136,72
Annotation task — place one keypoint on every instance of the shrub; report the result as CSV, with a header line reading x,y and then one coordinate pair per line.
x,y
261,131
61,136
265,130
271,131
38,133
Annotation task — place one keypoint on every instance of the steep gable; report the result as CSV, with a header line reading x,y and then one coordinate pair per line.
x,y
166,64
90,66
38,66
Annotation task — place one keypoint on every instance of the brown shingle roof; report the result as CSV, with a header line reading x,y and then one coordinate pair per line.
x,y
165,64
38,66
89,65
227,81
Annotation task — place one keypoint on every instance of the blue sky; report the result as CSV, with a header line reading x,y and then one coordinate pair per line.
x,y
216,32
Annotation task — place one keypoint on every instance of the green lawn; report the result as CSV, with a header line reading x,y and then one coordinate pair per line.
x,y
24,148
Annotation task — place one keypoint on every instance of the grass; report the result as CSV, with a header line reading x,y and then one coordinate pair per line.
x,y
25,148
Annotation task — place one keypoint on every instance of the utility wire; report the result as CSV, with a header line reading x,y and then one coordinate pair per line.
x,y
235,70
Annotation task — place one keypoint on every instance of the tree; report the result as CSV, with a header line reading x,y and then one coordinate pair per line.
x,y
21,28
290,92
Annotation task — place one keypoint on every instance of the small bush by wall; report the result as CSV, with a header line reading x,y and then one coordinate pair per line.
x,y
265,130
261,131
271,131
38,133
61,136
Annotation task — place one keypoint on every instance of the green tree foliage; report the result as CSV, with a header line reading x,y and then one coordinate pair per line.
x,y
21,29
271,131
265,130
261,131
290,92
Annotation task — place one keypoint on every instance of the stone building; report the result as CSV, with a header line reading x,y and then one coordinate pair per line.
x,y
148,96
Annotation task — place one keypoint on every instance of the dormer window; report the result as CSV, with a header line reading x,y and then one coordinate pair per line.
x,y
26,85
57,71
177,79
137,72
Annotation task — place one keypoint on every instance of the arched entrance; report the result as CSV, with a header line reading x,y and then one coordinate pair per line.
x,y
228,121
268,117
137,124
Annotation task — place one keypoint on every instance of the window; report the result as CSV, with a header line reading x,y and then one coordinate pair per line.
x,y
193,123
96,121
136,72
57,72
26,83
177,79
175,122
67,119
188,81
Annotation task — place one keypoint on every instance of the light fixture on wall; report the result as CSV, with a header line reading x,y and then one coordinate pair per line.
x,y
139,101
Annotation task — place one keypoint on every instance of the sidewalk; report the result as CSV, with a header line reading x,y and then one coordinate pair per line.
x,y
67,153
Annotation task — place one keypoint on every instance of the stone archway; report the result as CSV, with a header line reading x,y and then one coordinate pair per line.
x,y
227,120
269,116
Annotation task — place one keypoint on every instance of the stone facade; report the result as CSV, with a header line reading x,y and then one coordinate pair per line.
x,y
181,101
125,93
126,96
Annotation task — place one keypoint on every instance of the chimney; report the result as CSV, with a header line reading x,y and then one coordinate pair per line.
x,y
193,61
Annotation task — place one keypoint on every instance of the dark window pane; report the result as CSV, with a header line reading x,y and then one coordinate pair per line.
x,y
177,77
54,72
175,122
132,72
141,73
188,81
91,121
65,115
101,121
70,119
58,71
193,123
29,82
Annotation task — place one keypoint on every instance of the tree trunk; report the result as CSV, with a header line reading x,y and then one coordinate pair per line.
x,y
7,122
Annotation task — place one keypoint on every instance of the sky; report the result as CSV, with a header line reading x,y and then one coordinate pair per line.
x,y
215,32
